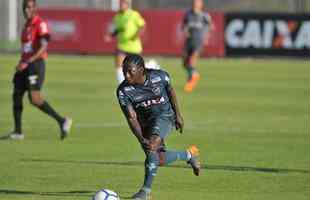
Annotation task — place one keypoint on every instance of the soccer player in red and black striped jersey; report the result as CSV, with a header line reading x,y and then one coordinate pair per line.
x,y
30,71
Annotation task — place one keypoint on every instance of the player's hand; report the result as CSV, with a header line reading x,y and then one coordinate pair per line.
x,y
22,65
179,123
107,38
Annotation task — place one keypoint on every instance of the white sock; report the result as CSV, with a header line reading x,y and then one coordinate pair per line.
x,y
119,75
147,190
189,155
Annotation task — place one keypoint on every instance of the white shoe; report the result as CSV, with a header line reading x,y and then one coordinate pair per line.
x,y
16,136
65,128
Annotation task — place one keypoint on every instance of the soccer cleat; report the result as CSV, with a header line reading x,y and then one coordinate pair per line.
x,y
16,136
142,195
65,128
193,161
191,83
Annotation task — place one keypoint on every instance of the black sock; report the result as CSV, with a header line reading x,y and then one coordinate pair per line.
x,y
17,112
190,70
45,107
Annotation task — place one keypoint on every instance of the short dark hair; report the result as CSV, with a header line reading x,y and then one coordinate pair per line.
x,y
133,59
25,3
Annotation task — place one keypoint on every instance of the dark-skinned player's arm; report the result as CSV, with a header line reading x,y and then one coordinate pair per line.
x,y
43,48
134,124
179,124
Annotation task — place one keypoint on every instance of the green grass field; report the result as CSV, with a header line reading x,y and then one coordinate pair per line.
x,y
250,118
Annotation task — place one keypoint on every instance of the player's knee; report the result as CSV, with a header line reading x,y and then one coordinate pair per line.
x,y
36,100
155,142
161,156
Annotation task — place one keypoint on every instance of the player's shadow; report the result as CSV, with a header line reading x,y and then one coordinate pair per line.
x,y
4,137
79,193
61,193
208,167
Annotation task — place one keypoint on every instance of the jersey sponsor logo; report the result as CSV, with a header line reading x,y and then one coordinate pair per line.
x,y
151,102
27,47
138,98
156,90
33,79
156,79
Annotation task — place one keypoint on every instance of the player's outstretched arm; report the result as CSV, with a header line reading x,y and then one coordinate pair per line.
x,y
174,102
134,125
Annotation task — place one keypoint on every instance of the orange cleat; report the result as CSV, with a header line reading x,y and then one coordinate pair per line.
x,y
191,84
194,162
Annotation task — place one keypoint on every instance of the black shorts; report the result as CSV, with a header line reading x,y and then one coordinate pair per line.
x,y
31,78
192,45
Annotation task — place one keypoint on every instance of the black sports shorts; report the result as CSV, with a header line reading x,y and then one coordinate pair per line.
x,y
31,78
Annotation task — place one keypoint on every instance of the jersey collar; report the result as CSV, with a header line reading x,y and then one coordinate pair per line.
x,y
33,20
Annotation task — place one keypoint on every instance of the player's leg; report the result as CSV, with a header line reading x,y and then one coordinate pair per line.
x,y
20,85
191,56
36,78
188,66
189,155
163,127
119,58
151,165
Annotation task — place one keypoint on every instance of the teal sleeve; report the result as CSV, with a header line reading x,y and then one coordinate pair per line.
x,y
166,79
123,100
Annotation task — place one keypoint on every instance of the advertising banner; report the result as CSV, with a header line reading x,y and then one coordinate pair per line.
x,y
267,34
82,31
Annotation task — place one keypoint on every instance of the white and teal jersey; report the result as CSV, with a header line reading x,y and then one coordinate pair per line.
x,y
150,100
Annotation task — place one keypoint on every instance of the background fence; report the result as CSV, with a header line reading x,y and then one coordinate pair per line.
x,y
256,6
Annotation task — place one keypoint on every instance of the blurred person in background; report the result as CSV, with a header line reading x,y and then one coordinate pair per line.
x,y
196,26
30,71
126,26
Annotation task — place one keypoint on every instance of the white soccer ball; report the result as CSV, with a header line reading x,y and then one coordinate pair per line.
x,y
106,194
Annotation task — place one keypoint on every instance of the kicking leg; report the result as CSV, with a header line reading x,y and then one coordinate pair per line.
x,y
190,156
37,100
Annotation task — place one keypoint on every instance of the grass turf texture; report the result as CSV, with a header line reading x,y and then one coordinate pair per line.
x,y
249,117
